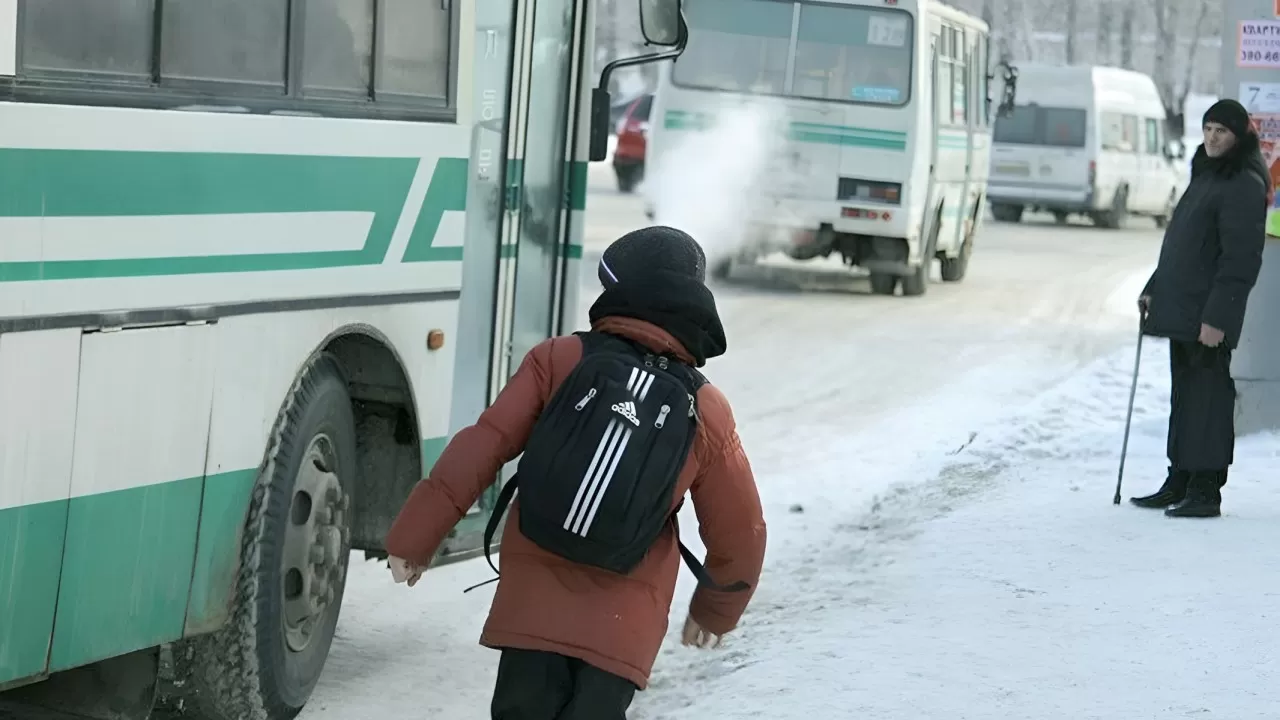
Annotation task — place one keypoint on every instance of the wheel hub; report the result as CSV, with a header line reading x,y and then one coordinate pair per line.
x,y
315,540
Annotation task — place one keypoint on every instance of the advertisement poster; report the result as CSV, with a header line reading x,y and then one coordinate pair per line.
x,y
1268,127
1258,44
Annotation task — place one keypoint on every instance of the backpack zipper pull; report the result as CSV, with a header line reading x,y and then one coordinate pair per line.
x,y
662,363
585,399
692,404
662,416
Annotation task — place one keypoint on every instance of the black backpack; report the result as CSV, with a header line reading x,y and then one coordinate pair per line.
x,y
603,459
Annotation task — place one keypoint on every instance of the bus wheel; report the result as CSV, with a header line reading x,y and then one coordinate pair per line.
x,y
915,284
265,661
954,268
883,283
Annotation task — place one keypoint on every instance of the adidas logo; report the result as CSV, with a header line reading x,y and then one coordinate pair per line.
x,y
627,410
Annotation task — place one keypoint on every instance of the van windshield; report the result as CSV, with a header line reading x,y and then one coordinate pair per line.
x,y
843,53
1042,125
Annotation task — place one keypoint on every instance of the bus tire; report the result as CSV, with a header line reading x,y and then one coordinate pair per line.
x,y
883,283
954,268
917,283
265,661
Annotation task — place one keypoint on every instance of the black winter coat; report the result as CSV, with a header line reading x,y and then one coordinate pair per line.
x,y
1212,248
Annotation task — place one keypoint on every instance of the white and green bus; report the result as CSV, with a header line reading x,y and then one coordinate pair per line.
x,y
883,150
258,258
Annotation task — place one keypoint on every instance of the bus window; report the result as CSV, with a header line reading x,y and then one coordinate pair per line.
x,y
736,46
337,46
863,55
104,37
240,41
415,50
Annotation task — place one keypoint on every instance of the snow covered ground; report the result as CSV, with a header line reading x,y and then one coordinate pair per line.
x,y
995,579
960,559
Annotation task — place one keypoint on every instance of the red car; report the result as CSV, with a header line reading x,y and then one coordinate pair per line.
x,y
633,133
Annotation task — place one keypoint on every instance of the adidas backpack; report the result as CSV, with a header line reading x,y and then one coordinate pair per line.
x,y
602,462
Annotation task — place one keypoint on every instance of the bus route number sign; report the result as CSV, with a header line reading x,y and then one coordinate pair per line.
x,y
887,30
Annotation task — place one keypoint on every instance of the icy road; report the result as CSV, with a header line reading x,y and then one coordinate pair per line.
x,y
937,476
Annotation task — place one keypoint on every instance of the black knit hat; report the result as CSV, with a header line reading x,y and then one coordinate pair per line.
x,y
658,248
1231,115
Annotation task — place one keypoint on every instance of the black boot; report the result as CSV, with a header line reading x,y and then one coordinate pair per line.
x,y
1204,496
1172,492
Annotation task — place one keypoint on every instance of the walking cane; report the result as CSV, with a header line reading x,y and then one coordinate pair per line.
x,y
1128,420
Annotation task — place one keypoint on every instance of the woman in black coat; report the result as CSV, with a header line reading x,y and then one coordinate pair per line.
x,y
1196,298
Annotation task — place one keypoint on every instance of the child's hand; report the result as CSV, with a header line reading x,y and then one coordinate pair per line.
x,y
695,636
404,571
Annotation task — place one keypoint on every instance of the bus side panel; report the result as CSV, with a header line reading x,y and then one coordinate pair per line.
x,y
250,394
141,434
38,373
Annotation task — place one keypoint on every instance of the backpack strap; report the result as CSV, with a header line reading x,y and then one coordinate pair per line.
x,y
504,500
491,528
698,569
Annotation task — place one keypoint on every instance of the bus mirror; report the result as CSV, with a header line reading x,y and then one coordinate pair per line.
x,y
600,101
660,21
1009,94
1009,90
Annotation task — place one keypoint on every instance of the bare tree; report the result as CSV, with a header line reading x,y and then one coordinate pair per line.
x,y
1073,8
1172,93
1104,49
1126,36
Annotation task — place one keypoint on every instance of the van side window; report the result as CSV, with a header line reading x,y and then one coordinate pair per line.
x,y
1131,133
1119,132
1154,143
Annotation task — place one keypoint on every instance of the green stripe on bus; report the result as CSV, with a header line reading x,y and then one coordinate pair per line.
x,y
31,536
223,511
578,186
140,567
849,130
448,191
89,183
805,132
126,571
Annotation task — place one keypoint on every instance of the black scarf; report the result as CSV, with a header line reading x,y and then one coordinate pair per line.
x,y
679,304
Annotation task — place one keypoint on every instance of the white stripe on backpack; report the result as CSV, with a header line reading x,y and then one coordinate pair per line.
x,y
604,463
